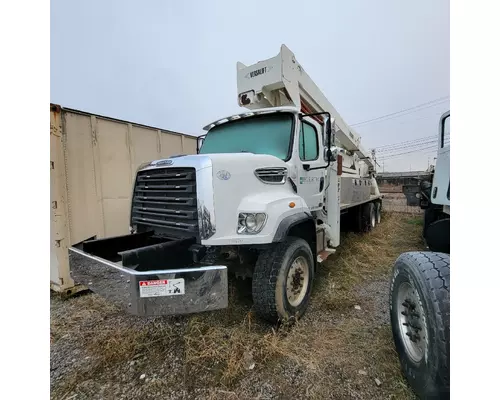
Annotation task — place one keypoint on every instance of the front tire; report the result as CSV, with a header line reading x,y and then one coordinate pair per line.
x,y
420,319
282,280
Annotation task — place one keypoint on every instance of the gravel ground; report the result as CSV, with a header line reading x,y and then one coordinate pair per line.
x,y
340,349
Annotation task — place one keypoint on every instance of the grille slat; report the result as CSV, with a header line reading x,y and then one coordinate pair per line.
x,y
184,201
166,188
165,213
171,177
177,225
166,198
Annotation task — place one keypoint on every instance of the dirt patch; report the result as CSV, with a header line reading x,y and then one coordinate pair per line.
x,y
337,350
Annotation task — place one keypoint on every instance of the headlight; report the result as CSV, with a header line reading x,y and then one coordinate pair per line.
x,y
251,223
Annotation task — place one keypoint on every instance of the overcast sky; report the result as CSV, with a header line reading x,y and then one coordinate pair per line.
x,y
172,64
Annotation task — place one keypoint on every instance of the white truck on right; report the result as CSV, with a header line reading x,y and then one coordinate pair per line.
x,y
419,298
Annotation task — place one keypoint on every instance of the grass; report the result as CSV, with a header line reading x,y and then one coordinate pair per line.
x,y
416,221
209,355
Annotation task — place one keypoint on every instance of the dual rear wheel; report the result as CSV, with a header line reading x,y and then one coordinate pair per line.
x,y
368,216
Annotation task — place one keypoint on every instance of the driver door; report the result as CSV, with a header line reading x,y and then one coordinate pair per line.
x,y
311,185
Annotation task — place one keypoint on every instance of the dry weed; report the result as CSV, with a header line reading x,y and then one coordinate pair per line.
x,y
211,354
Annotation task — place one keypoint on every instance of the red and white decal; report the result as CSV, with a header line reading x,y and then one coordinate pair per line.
x,y
153,283
162,287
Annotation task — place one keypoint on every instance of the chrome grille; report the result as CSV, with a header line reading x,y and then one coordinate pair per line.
x,y
166,199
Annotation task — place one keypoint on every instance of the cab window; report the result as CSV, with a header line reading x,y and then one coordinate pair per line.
x,y
308,142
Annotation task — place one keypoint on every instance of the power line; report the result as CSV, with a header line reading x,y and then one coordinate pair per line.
x,y
405,146
407,121
422,151
385,146
390,156
417,143
415,109
406,114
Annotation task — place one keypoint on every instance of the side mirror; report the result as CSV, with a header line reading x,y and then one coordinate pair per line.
x,y
328,131
199,143
328,142
329,155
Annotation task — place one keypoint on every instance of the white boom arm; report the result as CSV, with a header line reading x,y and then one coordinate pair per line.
x,y
281,81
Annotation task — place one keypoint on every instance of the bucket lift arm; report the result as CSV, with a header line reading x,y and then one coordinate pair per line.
x,y
281,81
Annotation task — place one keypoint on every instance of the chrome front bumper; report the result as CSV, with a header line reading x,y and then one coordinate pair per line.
x,y
152,293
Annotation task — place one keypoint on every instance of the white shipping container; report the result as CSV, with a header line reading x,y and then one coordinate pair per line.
x,y
93,160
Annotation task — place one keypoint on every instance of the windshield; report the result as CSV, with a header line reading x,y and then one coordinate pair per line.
x,y
262,134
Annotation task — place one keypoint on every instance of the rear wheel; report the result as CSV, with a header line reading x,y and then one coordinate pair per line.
x,y
368,219
373,216
282,280
420,319
378,211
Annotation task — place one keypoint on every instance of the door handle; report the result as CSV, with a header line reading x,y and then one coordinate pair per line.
x,y
321,184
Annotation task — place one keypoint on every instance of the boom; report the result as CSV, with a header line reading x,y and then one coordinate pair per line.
x,y
282,81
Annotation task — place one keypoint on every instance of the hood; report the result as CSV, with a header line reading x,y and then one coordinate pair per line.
x,y
200,161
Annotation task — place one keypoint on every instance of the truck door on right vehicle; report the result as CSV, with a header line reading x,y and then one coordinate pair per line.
x,y
441,182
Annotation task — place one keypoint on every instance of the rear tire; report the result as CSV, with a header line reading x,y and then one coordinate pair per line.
x,y
420,319
378,211
282,280
368,219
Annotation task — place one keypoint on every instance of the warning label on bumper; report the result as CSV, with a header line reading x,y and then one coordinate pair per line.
x,y
162,287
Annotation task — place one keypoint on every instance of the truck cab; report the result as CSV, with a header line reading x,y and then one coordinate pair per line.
x,y
298,140
435,193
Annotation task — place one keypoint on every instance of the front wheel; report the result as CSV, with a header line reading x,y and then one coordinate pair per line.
x,y
420,319
282,280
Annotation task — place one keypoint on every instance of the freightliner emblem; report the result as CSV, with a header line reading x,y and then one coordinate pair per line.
x,y
164,162
223,175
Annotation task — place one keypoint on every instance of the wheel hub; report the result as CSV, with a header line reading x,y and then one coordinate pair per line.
x,y
412,323
297,281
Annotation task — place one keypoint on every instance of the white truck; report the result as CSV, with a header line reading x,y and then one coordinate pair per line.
x,y
420,289
263,198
